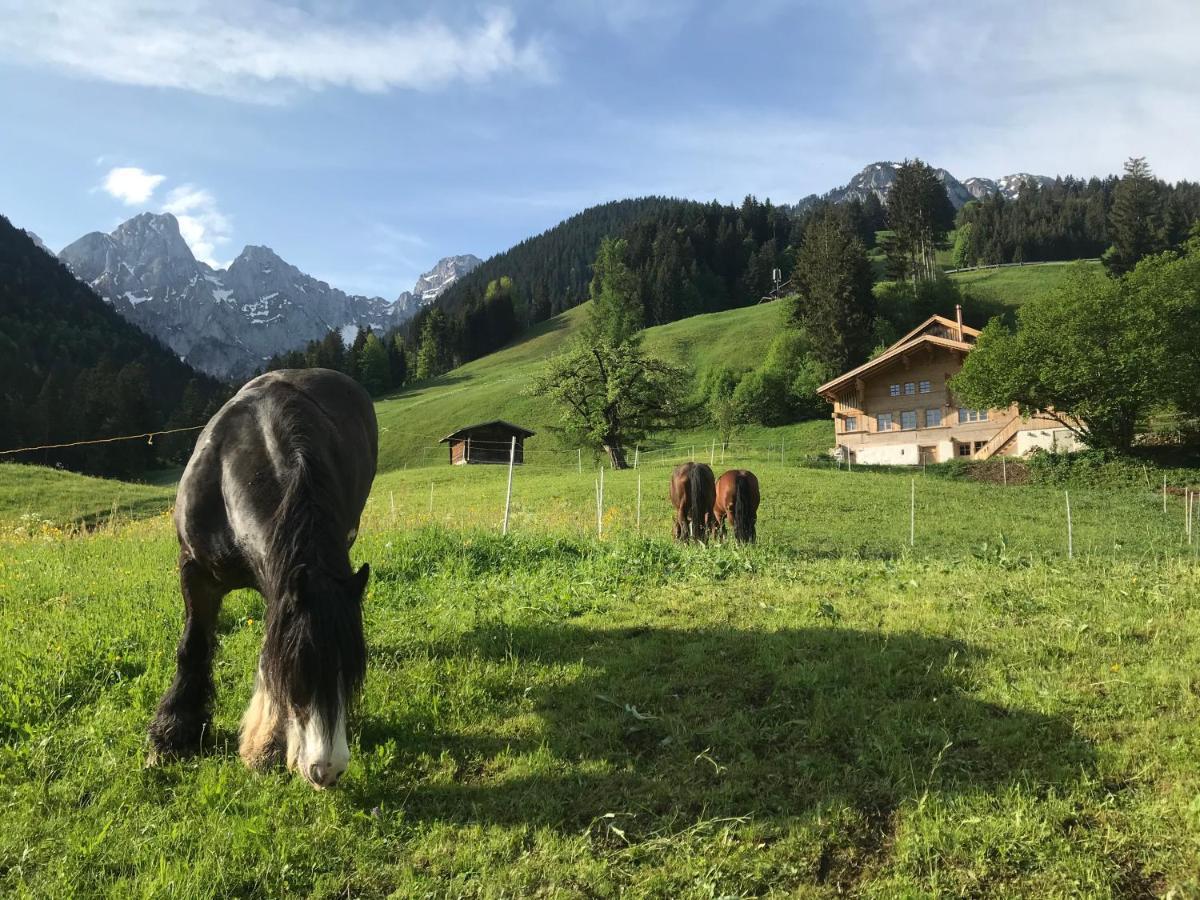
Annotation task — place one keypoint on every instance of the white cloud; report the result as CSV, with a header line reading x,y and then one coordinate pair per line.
x,y
201,222
131,185
260,49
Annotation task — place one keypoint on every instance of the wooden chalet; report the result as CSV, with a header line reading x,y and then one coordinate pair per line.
x,y
487,442
897,409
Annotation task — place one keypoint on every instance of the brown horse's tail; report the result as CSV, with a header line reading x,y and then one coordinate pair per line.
x,y
744,513
695,513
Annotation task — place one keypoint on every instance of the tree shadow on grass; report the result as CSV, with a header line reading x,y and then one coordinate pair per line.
x,y
677,725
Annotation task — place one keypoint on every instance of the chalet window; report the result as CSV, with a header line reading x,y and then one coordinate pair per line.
x,y
908,420
883,422
910,388
964,449
972,415
850,423
926,387
933,418
894,390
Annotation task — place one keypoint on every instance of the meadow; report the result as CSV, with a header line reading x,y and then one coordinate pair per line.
x,y
555,714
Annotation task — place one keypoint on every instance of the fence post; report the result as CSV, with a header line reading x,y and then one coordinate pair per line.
x,y
722,453
1070,536
712,452
579,459
600,505
637,451
392,495
512,458
912,515
639,504
1004,469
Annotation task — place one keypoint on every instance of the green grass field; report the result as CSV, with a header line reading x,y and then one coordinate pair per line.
x,y
548,714
1010,287
413,420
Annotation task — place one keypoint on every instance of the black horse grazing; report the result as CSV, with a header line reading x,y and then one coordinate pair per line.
x,y
692,493
271,499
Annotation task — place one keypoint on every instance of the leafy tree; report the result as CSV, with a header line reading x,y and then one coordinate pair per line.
x,y
920,214
374,368
1097,354
834,302
1136,219
716,392
612,395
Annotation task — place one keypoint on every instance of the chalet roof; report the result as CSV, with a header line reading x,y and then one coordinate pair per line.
x,y
925,334
498,423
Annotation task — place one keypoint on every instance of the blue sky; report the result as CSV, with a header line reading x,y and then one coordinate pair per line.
x,y
363,141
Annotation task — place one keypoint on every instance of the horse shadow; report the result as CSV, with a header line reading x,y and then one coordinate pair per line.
x,y
687,725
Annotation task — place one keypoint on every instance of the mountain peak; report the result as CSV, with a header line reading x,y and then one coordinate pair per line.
x,y
430,285
878,177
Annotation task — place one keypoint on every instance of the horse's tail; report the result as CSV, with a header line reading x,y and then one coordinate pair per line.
x,y
744,513
697,514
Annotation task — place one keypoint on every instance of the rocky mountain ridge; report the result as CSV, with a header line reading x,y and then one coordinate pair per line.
x,y
878,178
431,285
226,322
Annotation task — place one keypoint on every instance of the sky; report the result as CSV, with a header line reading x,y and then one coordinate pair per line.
x,y
363,141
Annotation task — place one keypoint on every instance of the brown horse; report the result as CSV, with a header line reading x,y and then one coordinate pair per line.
x,y
692,493
737,504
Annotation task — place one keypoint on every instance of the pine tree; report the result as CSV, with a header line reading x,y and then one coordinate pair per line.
x,y
433,351
1136,218
397,360
835,304
616,314
920,214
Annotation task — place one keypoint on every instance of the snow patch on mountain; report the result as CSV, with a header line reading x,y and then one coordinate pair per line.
x,y
878,178
431,285
222,321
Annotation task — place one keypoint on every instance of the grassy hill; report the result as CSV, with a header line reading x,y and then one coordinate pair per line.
x,y
411,421
1012,286
37,498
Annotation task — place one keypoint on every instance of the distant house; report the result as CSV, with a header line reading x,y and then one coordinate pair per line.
x,y
897,409
487,442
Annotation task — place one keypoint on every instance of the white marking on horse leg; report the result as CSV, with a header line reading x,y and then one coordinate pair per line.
x,y
260,728
320,754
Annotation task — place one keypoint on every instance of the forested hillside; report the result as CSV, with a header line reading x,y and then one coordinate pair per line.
x,y
1075,219
686,258
71,368
551,271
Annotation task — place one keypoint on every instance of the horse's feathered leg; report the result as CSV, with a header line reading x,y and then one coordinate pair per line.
x,y
262,737
185,711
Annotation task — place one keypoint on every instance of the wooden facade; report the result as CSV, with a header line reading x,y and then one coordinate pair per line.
x,y
487,443
898,409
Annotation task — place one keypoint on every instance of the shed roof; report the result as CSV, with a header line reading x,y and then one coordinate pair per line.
x,y
499,423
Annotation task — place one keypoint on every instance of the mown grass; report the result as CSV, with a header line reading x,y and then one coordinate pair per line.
x,y
548,714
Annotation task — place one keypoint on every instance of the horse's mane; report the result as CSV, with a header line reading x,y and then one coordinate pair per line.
x,y
314,654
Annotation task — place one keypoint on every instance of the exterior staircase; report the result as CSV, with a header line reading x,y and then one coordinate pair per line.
x,y
999,439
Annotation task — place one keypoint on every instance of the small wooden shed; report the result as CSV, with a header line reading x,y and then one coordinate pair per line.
x,y
487,442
